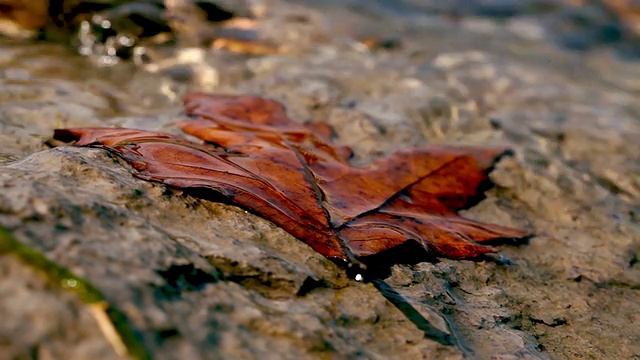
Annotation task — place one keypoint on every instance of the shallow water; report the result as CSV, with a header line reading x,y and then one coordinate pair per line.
x,y
572,118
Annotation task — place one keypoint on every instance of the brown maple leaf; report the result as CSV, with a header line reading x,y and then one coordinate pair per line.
x,y
292,175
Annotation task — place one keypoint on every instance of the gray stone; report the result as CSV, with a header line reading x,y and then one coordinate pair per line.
x,y
199,278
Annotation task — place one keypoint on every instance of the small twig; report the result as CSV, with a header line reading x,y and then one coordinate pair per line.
x,y
430,331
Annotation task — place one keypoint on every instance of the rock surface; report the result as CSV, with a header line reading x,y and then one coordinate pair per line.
x,y
203,279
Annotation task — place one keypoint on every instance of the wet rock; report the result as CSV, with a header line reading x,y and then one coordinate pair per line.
x,y
42,321
199,278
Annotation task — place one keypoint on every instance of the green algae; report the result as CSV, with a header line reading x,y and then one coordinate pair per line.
x,y
65,279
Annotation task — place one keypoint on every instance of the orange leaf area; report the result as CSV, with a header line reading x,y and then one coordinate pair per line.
x,y
292,174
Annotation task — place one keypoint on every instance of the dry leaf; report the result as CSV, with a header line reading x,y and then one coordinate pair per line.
x,y
292,175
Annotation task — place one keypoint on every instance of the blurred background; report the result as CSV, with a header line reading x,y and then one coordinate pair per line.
x,y
116,27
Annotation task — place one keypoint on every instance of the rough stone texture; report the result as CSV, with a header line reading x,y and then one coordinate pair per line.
x,y
204,279
40,322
